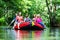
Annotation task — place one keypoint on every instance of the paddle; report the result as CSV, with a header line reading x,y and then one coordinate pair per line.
x,y
11,23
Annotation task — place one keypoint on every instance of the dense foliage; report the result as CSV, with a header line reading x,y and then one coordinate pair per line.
x,y
8,8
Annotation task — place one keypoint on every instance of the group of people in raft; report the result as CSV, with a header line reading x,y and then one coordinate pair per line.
x,y
19,19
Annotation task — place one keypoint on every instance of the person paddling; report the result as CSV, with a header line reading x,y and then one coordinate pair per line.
x,y
19,19
39,20
27,19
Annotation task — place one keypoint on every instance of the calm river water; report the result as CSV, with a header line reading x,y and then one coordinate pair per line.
x,y
46,34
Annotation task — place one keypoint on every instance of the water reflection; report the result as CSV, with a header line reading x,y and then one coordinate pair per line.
x,y
27,35
55,34
7,35
47,34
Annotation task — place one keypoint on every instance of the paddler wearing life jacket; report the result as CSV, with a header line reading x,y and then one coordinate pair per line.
x,y
27,19
39,20
18,20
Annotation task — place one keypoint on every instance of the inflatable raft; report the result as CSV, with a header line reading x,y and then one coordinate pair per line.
x,y
28,26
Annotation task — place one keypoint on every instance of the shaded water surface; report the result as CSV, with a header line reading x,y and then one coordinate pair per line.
x,y
47,34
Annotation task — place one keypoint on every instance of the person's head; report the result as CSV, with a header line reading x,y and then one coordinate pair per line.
x,y
34,15
26,16
19,13
38,15
16,14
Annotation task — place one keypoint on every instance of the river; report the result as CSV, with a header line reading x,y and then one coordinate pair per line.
x,y
46,34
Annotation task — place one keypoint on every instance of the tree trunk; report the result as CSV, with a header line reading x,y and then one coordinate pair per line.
x,y
51,14
48,11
